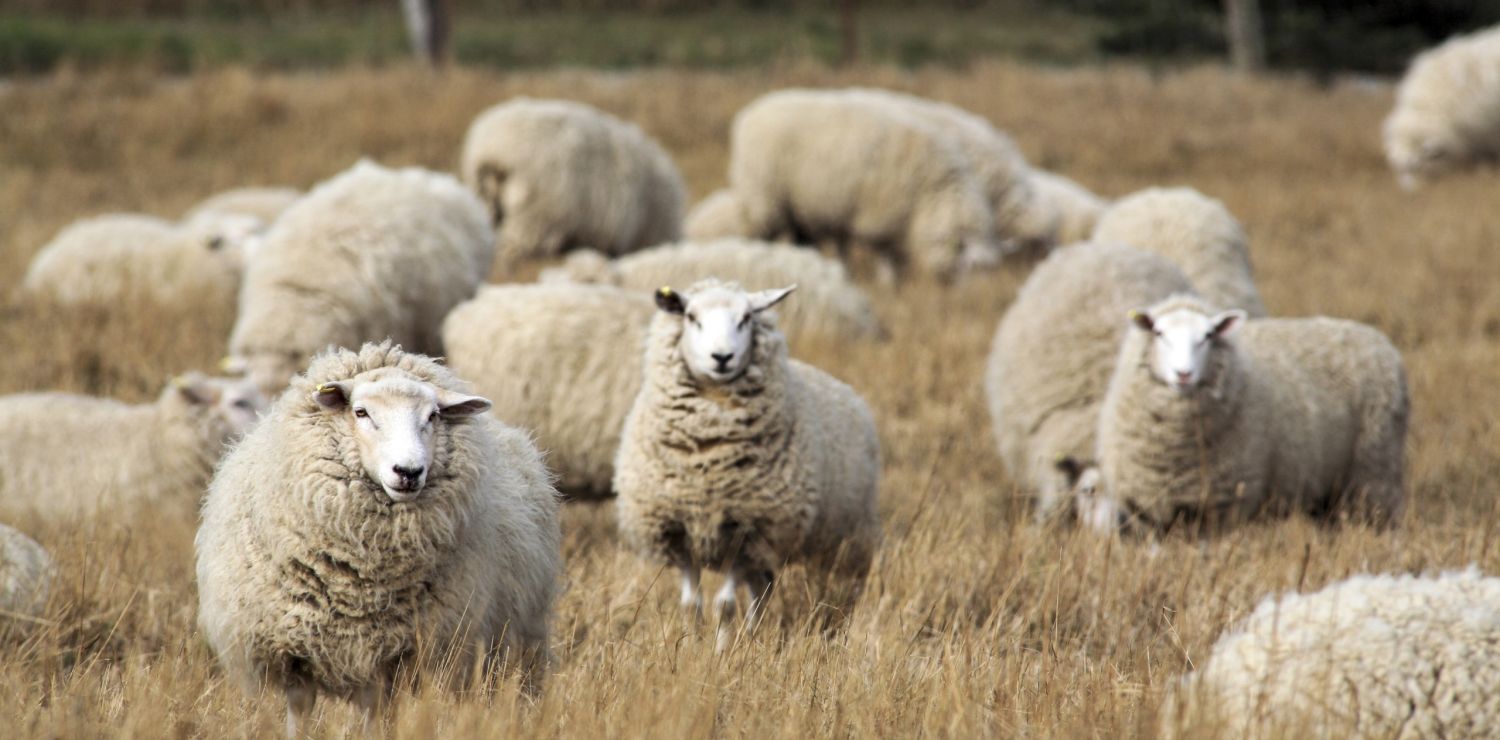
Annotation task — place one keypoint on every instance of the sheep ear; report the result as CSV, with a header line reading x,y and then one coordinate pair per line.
x,y
669,300
332,396
1143,320
196,389
761,300
459,404
1069,467
1228,321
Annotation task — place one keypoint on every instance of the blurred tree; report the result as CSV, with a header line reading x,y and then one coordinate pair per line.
x,y
428,23
1243,30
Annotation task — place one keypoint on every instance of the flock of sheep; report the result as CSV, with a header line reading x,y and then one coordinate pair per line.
x,y
365,509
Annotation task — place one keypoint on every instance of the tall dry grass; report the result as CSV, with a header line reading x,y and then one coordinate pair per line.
x,y
975,622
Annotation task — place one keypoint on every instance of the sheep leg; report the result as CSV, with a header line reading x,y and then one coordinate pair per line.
x,y
692,595
370,701
724,603
760,585
300,699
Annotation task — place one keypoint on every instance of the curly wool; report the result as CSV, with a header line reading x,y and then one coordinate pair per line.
x,y
371,254
829,305
839,165
558,175
137,453
561,360
1373,656
1293,415
1197,233
1447,113
307,572
1054,351
779,464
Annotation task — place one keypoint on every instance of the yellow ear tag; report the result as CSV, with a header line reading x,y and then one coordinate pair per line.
x,y
179,382
323,388
1134,315
664,291
225,363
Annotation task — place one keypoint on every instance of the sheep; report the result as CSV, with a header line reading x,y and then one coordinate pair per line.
x,y
66,453
1213,418
1069,211
844,166
26,574
558,175
1447,112
1388,656
736,458
561,360
372,253
1052,357
263,203
1194,231
376,517
717,217
119,258
828,304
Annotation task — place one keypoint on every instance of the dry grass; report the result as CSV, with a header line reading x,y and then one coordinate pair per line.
x,y
975,622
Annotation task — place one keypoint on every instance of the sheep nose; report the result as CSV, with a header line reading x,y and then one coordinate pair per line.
x,y
408,473
1184,376
722,359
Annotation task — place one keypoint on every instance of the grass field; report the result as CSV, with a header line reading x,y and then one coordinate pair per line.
x,y
975,622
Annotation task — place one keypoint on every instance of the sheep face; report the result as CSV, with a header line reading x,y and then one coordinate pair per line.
x,y
1182,340
394,421
234,235
718,327
235,404
271,372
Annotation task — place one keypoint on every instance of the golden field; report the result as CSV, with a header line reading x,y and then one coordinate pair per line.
x,y
975,621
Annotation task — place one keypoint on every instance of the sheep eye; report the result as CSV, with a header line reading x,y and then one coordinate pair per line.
x,y
744,320
241,403
432,418
361,413
693,319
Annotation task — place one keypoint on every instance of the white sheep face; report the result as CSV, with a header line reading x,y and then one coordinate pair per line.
x,y
1181,341
718,327
236,402
395,421
271,372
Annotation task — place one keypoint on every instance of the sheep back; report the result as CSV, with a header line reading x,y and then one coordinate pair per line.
x,y
1447,112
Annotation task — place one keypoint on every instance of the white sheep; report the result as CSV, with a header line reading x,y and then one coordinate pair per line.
x,y
839,165
67,454
1447,113
719,216
373,253
1372,656
558,175
1213,418
561,360
1052,358
1197,233
829,305
263,203
115,259
376,518
26,575
736,458
1065,210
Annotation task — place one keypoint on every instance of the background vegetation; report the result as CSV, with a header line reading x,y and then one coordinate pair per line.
x,y
1321,36
976,622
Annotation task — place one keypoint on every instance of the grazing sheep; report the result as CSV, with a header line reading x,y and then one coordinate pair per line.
x,y
115,259
26,574
1052,358
558,175
828,304
376,518
1194,231
736,458
717,217
1373,656
843,166
373,253
561,360
1207,420
66,454
1070,210
1447,114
